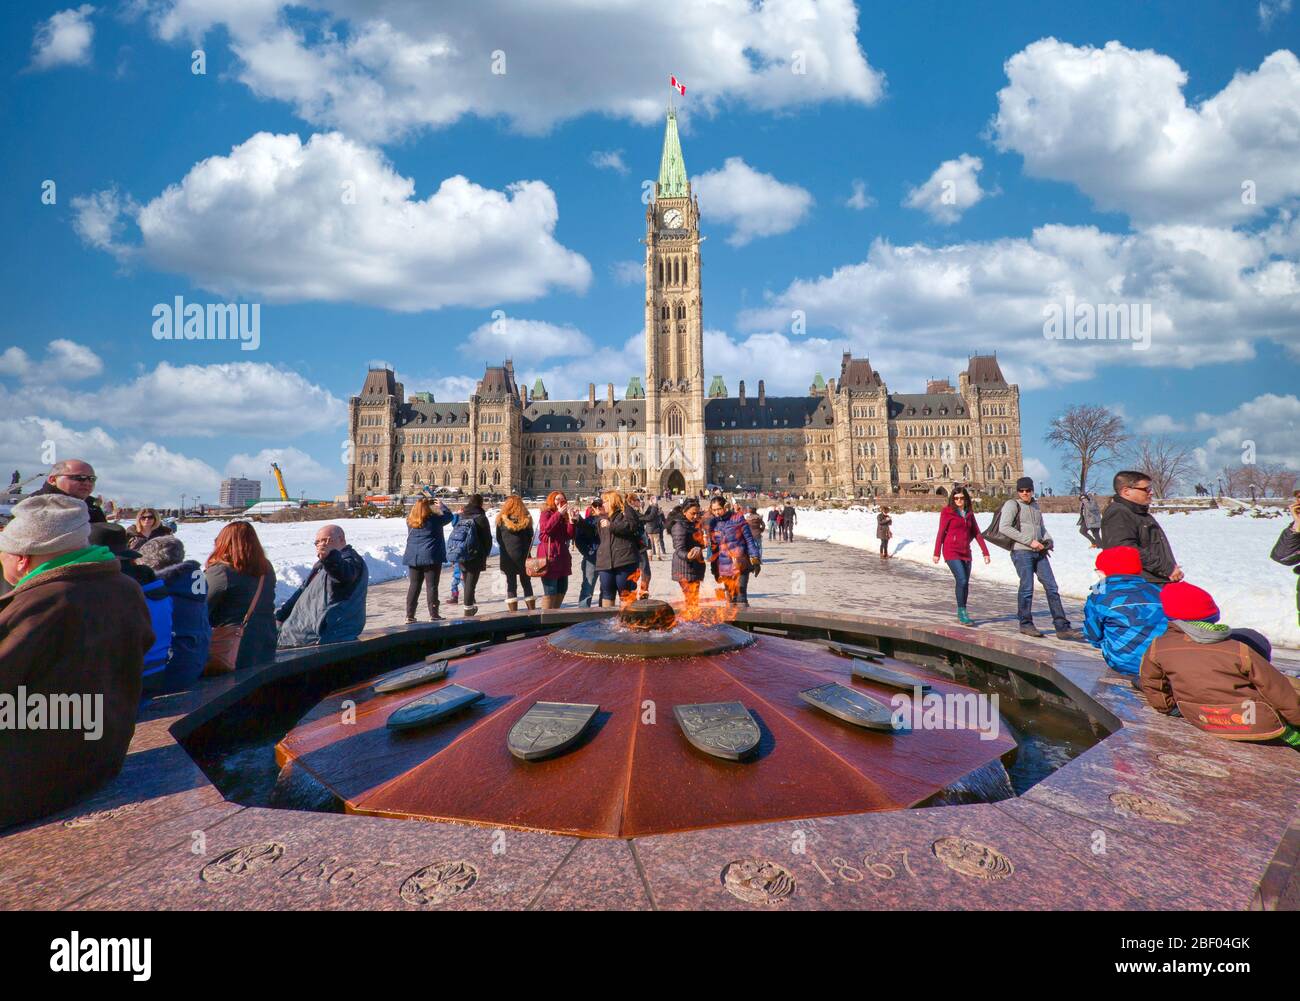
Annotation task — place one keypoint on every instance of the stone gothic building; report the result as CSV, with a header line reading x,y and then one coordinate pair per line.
x,y
848,437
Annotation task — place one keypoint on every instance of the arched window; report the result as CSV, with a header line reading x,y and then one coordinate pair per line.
x,y
464,478
676,422
496,477
1006,471
875,471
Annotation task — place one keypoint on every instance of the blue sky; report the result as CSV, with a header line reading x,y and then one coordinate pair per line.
x,y
1098,151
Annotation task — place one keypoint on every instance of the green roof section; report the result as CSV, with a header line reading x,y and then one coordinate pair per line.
x,y
672,165
423,397
634,390
539,391
717,388
818,385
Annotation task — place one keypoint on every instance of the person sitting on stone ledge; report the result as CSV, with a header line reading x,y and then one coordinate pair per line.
x,y
330,605
73,635
1123,613
1219,679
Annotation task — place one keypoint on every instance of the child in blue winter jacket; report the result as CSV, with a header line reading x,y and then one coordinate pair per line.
x,y
1122,614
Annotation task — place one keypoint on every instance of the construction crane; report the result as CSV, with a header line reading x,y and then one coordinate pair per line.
x,y
279,481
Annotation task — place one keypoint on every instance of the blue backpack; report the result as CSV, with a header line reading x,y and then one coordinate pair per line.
x,y
462,544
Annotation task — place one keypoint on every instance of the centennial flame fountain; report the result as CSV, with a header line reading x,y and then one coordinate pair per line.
x,y
632,725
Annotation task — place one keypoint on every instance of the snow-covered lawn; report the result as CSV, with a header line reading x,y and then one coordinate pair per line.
x,y
1228,556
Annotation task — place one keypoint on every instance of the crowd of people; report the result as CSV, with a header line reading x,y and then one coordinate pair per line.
x,y
90,604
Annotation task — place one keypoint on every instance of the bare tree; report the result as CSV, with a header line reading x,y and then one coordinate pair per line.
x,y
1167,462
1088,436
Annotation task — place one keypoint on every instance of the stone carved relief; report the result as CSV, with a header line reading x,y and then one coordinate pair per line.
x,y
1132,805
438,883
973,859
758,881
241,862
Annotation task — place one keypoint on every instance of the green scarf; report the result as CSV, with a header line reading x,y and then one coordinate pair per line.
x,y
91,554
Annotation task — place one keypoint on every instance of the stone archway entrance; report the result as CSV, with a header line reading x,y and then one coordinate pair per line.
x,y
674,482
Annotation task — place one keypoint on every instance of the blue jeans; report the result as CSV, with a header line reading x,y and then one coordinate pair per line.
x,y
1028,564
589,578
616,582
555,585
961,571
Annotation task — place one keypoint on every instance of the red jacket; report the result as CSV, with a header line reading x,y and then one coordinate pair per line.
x,y
955,533
554,533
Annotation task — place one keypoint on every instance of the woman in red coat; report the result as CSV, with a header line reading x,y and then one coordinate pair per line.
x,y
554,533
957,527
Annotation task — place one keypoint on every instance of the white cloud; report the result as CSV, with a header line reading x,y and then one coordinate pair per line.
x,y
201,400
1161,424
609,160
1271,10
1269,424
64,39
628,272
332,221
860,199
130,471
65,361
1036,470
754,203
524,340
303,475
951,190
1115,122
919,309
378,73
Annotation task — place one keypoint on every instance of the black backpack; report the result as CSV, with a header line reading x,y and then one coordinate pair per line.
x,y
994,535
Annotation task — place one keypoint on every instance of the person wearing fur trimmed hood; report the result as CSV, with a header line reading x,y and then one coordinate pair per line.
x,y
1220,679
191,633
514,533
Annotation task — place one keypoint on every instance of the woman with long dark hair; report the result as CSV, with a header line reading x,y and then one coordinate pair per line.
x,y
426,552
689,560
233,572
957,527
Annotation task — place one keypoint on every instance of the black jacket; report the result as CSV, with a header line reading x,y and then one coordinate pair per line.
x,y
92,505
620,541
1287,552
653,518
484,532
683,533
1127,524
514,547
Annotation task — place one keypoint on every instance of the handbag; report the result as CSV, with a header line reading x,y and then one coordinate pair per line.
x,y
223,650
535,566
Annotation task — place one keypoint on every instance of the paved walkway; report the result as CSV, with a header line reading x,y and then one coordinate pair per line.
x,y
815,575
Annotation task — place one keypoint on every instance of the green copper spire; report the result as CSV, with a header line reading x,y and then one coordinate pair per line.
x,y
717,387
539,391
634,390
672,167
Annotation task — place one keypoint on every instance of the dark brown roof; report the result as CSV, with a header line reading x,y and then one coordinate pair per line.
x,y
497,381
857,373
380,382
984,370
921,405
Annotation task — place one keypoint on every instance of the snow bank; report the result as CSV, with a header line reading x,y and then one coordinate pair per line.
x,y
1228,556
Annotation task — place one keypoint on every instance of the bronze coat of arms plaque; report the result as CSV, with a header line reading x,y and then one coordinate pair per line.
x,y
723,729
457,651
548,728
409,677
853,707
880,674
433,707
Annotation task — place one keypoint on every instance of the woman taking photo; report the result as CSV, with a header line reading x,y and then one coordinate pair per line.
x,y
555,530
147,526
241,593
426,552
957,527
514,539
619,553
883,531
689,560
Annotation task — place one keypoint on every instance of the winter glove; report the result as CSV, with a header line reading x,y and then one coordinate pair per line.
x,y
755,566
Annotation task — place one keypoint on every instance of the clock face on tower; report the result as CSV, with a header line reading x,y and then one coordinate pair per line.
x,y
673,219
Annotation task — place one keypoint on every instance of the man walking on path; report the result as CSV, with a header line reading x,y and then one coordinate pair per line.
x,y
1022,522
1128,522
787,522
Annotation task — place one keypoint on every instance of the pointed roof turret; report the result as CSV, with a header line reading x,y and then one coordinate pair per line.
x,y
539,390
717,388
672,165
818,386
634,390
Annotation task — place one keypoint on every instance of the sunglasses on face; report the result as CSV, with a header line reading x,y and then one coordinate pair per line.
x,y
80,479
1145,490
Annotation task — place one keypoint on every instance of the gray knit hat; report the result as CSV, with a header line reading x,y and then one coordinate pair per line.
x,y
47,523
164,551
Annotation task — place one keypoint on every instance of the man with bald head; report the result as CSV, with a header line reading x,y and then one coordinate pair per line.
x,y
330,606
74,478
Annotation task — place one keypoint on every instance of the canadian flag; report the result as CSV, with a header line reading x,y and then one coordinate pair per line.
x,y
679,87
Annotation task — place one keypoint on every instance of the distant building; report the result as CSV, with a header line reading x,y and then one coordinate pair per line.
x,y
849,436
239,492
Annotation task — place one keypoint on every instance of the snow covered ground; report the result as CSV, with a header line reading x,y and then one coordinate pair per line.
x,y
1228,556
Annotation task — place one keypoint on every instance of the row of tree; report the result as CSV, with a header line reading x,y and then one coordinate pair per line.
x,y
1091,437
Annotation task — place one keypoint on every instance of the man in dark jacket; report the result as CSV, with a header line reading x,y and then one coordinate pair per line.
x,y
1287,548
330,606
74,478
73,634
586,537
787,523
1127,521
654,526
114,538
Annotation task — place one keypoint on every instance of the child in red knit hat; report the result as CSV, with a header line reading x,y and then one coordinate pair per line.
x,y
1123,613
1218,678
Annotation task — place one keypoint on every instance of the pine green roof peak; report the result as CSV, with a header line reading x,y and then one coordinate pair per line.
x,y
672,165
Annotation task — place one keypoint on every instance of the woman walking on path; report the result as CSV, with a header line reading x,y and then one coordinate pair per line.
x,y
426,552
555,530
1090,520
236,567
689,560
514,540
957,527
883,532
619,552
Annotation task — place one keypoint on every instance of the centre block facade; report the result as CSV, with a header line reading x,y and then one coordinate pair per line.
x,y
848,437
